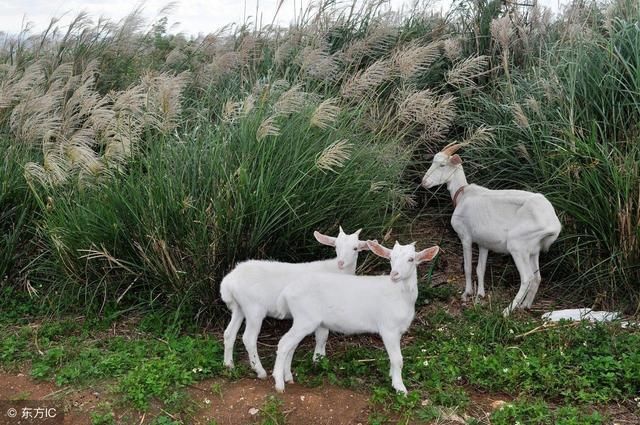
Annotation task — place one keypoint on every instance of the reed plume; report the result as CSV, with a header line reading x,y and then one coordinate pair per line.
x,y
334,156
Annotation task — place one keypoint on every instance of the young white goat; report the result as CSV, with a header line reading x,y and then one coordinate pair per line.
x,y
507,221
354,304
252,288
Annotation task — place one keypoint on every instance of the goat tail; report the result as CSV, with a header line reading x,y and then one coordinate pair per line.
x,y
225,292
549,239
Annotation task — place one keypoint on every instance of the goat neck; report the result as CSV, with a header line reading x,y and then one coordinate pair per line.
x,y
409,287
457,181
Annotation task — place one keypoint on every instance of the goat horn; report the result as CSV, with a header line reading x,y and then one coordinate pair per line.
x,y
451,148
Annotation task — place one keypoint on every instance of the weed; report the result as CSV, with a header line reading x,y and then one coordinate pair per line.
x,y
216,388
103,415
271,412
536,412
165,420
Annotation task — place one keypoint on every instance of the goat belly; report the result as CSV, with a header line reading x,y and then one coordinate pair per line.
x,y
490,236
499,246
350,322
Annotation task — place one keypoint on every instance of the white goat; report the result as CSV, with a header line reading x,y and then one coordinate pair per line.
x,y
507,221
354,304
252,288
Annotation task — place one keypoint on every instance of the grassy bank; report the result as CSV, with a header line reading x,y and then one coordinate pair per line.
x,y
568,373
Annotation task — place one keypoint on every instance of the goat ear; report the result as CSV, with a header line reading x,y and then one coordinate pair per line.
x,y
455,160
341,232
379,250
427,254
357,233
324,239
364,245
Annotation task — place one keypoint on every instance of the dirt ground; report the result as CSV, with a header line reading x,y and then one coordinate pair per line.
x,y
231,403
76,403
240,402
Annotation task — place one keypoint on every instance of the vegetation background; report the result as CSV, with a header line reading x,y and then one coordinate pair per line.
x,y
140,165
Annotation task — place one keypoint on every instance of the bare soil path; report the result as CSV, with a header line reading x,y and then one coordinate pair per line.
x,y
231,403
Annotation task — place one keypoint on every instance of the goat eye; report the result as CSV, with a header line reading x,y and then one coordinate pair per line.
x,y
442,165
355,249
411,260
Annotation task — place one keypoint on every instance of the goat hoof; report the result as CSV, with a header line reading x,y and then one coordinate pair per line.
x,y
465,297
401,390
229,365
280,388
262,374
506,312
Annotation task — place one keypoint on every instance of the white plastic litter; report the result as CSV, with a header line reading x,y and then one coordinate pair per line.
x,y
581,314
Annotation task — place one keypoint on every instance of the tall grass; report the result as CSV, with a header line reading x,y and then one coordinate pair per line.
x,y
195,204
17,210
155,162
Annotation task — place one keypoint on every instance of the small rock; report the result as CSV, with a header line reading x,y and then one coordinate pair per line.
x,y
301,398
253,411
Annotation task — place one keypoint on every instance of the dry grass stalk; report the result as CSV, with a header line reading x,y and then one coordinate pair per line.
x,y
519,117
464,72
175,57
250,49
292,100
376,43
533,105
326,113
247,105
452,48
434,112
414,59
364,83
228,62
164,98
318,64
334,156
378,186
482,135
628,219
231,110
268,127
286,48
207,45
502,31
71,121
404,200
20,85
522,152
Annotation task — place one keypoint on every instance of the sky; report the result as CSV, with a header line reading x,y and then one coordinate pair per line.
x,y
188,16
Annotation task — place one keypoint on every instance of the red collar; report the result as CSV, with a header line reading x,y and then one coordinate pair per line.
x,y
458,193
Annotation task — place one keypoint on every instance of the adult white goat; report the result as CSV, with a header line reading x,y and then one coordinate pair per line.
x,y
507,221
252,288
354,304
